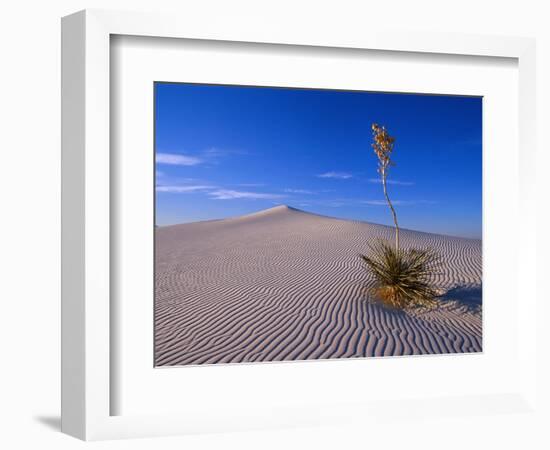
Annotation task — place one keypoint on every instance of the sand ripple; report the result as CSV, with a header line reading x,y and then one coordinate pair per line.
x,y
283,284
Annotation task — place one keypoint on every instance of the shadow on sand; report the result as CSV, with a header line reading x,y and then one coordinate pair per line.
x,y
470,296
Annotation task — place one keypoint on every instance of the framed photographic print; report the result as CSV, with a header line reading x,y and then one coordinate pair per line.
x,y
268,240
266,228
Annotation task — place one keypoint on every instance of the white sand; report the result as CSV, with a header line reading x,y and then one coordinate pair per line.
x,y
283,284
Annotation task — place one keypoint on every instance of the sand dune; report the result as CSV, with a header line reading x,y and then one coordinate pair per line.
x,y
283,284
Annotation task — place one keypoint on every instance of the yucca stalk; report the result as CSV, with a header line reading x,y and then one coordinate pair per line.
x,y
383,148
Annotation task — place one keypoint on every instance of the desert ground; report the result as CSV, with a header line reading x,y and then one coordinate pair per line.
x,y
283,284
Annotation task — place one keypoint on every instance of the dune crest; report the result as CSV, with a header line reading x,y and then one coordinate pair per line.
x,y
275,211
284,284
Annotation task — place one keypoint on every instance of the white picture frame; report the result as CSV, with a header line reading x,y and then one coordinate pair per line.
x,y
87,385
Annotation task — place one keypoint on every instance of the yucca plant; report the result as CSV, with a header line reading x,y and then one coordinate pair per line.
x,y
402,277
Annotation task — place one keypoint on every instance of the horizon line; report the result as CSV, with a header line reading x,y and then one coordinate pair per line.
x,y
292,208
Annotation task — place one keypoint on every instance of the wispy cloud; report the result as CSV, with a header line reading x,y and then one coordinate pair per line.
x,y
397,202
299,191
214,152
183,189
389,181
215,155
329,202
176,159
378,202
217,152
228,194
337,175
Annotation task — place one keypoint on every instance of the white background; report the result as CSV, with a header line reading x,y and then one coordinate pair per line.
x,y
29,286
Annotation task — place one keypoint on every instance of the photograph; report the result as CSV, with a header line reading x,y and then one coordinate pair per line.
x,y
300,224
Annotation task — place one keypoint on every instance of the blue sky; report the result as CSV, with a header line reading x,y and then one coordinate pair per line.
x,y
224,151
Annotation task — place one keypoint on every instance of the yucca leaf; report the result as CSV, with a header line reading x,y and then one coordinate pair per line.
x,y
402,277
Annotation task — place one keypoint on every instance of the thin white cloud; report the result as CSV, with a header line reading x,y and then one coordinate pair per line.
x,y
397,202
183,189
337,175
395,182
216,152
177,159
299,191
378,202
228,194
